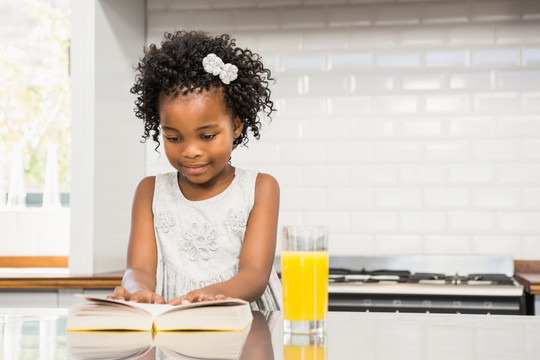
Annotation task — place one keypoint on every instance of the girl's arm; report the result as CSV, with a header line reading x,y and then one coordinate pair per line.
x,y
139,281
258,249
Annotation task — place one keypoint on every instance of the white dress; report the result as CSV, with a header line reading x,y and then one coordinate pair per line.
x,y
199,242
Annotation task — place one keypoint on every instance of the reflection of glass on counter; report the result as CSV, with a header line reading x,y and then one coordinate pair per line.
x,y
252,343
304,347
27,336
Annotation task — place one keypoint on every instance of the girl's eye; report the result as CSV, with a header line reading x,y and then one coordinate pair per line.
x,y
207,137
173,139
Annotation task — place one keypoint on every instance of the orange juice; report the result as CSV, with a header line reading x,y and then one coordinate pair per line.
x,y
304,275
292,352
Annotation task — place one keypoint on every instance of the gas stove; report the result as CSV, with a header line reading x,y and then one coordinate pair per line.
x,y
438,284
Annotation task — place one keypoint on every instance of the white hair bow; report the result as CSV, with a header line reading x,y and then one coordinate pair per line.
x,y
212,64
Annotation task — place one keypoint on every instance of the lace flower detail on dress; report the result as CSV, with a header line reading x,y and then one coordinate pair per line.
x,y
199,241
235,219
164,221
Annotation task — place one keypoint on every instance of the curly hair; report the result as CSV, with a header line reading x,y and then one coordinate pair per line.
x,y
176,68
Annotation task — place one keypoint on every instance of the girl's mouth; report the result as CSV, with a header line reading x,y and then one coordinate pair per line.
x,y
195,169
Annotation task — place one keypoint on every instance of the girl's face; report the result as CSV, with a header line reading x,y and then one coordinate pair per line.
x,y
198,133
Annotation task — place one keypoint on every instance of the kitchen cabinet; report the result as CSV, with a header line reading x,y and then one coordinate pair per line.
x,y
42,290
41,298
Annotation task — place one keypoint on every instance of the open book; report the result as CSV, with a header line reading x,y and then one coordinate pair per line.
x,y
97,313
133,345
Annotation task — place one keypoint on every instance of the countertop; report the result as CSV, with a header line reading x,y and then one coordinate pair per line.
x,y
526,272
55,278
40,334
531,281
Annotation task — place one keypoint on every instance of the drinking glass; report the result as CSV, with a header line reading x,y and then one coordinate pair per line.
x,y
304,275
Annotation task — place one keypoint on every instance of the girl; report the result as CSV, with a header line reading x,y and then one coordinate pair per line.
x,y
208,230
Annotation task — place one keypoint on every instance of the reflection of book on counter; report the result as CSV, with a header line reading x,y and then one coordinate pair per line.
x,y
97,313
107,345
176,344
202,344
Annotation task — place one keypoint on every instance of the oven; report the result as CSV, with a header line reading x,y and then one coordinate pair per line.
x,y
425,284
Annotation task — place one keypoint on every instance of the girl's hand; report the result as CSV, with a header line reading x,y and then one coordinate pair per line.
x,y
141,296
197,296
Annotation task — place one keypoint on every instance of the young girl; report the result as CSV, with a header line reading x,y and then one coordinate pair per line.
x,y
208,230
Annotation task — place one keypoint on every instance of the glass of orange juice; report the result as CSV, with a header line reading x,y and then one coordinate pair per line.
x,y
304,275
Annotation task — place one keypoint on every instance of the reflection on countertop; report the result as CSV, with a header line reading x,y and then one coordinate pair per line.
x,y
40,334
254,342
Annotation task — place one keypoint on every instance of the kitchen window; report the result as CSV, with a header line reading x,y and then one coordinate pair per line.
x,y
35,138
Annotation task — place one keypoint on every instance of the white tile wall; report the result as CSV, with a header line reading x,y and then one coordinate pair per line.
x,y
407,127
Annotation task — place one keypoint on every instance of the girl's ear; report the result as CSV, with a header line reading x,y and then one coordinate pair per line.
x,y
238,126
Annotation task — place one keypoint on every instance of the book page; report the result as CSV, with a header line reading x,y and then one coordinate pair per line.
x,y
156,309
152,309
224,316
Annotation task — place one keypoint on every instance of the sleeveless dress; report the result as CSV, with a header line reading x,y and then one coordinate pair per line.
x,y
199,242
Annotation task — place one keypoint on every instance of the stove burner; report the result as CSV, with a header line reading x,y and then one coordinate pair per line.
x,y
338,275
427,278
472,279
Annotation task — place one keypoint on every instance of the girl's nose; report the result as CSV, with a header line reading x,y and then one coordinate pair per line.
x,y
191,150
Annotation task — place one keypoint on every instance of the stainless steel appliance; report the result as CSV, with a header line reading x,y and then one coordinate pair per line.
x,y
437,284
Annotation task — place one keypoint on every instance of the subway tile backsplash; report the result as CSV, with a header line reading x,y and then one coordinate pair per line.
x,y
407,127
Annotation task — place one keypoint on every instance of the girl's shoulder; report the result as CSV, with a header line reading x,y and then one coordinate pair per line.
x,y
159,183
266,179
250,173
146,186
151,186
255,183
144,194
259,179
266,183
147,182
